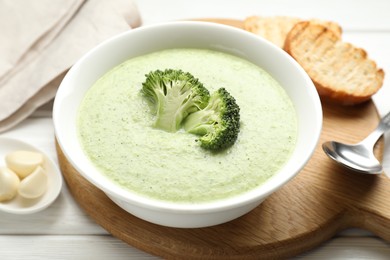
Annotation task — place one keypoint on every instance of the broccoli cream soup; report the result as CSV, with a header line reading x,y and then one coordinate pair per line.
x,y
116,130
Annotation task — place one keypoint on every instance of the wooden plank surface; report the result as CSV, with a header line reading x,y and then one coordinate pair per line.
x,y
322,200
77,247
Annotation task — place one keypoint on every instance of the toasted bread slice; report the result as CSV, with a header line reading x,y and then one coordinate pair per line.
x,y
340,71
276,28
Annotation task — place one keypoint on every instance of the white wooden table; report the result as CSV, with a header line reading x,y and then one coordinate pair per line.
x,y
64,231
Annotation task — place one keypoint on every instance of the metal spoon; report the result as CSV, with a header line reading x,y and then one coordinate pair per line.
x,y
359,157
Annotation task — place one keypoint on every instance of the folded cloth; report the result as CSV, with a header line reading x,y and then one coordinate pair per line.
x,y
27,27
49,36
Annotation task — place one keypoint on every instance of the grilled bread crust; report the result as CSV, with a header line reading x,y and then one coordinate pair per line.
x,y
340,71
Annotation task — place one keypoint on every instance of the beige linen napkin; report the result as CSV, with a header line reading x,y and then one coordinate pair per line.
x,y
45,44
28,26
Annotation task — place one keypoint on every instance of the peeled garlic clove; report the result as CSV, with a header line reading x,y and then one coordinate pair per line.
x,y
9,183
23,163
34,185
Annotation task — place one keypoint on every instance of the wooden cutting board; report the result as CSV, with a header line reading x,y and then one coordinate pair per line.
x,y
323,199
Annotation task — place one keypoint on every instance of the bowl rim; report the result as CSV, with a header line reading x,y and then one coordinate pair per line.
x,y
218,205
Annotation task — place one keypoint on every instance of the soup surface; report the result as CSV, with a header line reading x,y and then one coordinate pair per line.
x,y
115,128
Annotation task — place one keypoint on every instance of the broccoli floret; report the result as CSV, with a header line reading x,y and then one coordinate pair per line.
x,y
174,94
218,123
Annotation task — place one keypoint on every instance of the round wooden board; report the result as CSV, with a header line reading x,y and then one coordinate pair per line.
x,y
323,199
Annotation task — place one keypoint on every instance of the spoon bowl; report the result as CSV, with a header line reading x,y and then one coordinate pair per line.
x,y
356,157
359,157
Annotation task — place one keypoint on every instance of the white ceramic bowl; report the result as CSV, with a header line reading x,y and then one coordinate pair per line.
x,y
192,35
20,205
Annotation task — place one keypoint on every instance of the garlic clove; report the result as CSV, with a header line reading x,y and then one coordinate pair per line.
x,y
9,183
23,163
34,185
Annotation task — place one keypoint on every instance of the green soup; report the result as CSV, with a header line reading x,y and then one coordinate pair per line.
x,y
115,129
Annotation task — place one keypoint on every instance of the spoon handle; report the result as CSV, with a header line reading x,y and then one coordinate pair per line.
x,y
385,121
383,126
